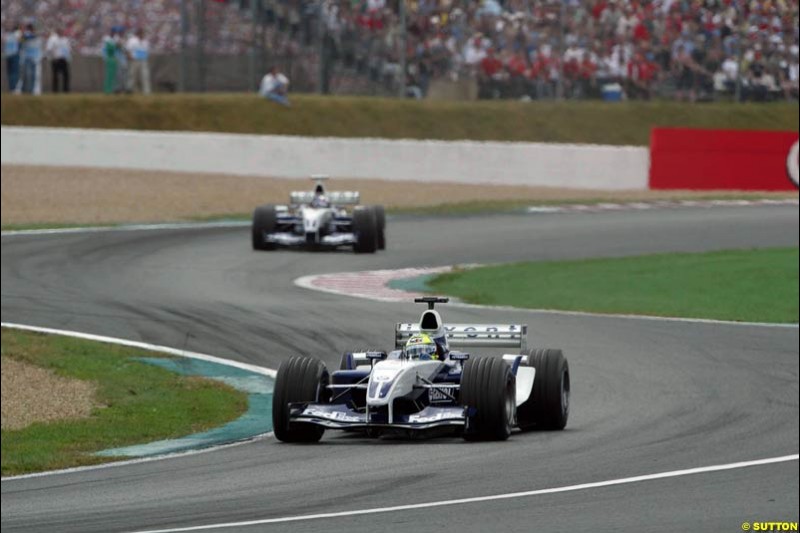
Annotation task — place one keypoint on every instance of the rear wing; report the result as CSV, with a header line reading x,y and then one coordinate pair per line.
x,y
335,197
472,335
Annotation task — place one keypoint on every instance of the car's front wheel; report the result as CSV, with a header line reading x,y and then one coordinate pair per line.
x,y
265,220
488,391
299,379
365,228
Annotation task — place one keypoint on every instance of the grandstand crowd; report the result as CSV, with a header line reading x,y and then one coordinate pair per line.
x,y
684,49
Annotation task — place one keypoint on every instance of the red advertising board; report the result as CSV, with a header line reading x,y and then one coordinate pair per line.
x,y
683,158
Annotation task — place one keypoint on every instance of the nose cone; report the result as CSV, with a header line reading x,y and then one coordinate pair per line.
x,y
384,376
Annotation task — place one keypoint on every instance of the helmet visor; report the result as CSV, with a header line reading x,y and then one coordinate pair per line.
x,y
421,351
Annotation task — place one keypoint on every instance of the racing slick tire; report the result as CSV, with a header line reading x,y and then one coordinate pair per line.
x,y
548,406
365,227
299,379
265,219
488,387
380,218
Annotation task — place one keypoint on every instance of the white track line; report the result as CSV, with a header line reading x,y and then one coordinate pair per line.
x,y
129,227
478,499
628,317
307,282
149,347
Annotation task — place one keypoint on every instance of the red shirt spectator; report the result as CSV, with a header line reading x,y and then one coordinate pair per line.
x,y
588,68
516,65
490,65
640,32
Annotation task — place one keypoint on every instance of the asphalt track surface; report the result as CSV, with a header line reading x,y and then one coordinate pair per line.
x,y
648,396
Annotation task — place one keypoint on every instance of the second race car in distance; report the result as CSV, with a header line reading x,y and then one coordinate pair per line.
x,y
320,219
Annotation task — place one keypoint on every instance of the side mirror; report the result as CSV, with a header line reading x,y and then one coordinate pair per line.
x,y
459,356
375,357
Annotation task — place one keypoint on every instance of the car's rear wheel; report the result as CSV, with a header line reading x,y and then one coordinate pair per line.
x,y
488,393
548,405
365,228
265,220
299,379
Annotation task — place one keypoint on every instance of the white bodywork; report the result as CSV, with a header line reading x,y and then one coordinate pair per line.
x,y
399,376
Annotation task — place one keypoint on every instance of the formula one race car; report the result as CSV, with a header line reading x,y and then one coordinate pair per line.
x,y
423,386
319,219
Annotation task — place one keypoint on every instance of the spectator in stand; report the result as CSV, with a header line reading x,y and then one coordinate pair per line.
x,y
759,81
474,51
493,79
123,60
543,68
58,51
789,74
31,54
587,75
517,69
725,77
275,86
685,69
138,49
11,48
641,74
110,44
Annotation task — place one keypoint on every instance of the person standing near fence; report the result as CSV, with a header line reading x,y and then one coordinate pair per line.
x,y
110,62
59,52
31,54
11,43
139,70
122,61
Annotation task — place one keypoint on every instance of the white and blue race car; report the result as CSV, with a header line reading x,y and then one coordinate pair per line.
x,y
480,397
320,219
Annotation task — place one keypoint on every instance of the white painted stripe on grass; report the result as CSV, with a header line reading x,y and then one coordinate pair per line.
x,y
144,346
659,204
138,460
627,316
479,499
128,227
149,347
307,282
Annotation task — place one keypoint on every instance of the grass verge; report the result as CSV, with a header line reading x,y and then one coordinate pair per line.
x,y
627,123
140,403
741,285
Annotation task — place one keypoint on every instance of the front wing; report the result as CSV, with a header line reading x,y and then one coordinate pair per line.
x,y
294,239
340,416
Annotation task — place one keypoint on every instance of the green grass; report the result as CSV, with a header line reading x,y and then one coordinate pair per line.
x,y
741,285
580,122
140,403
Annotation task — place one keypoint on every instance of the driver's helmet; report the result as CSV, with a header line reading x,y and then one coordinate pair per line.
x,y
421,347
320,200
